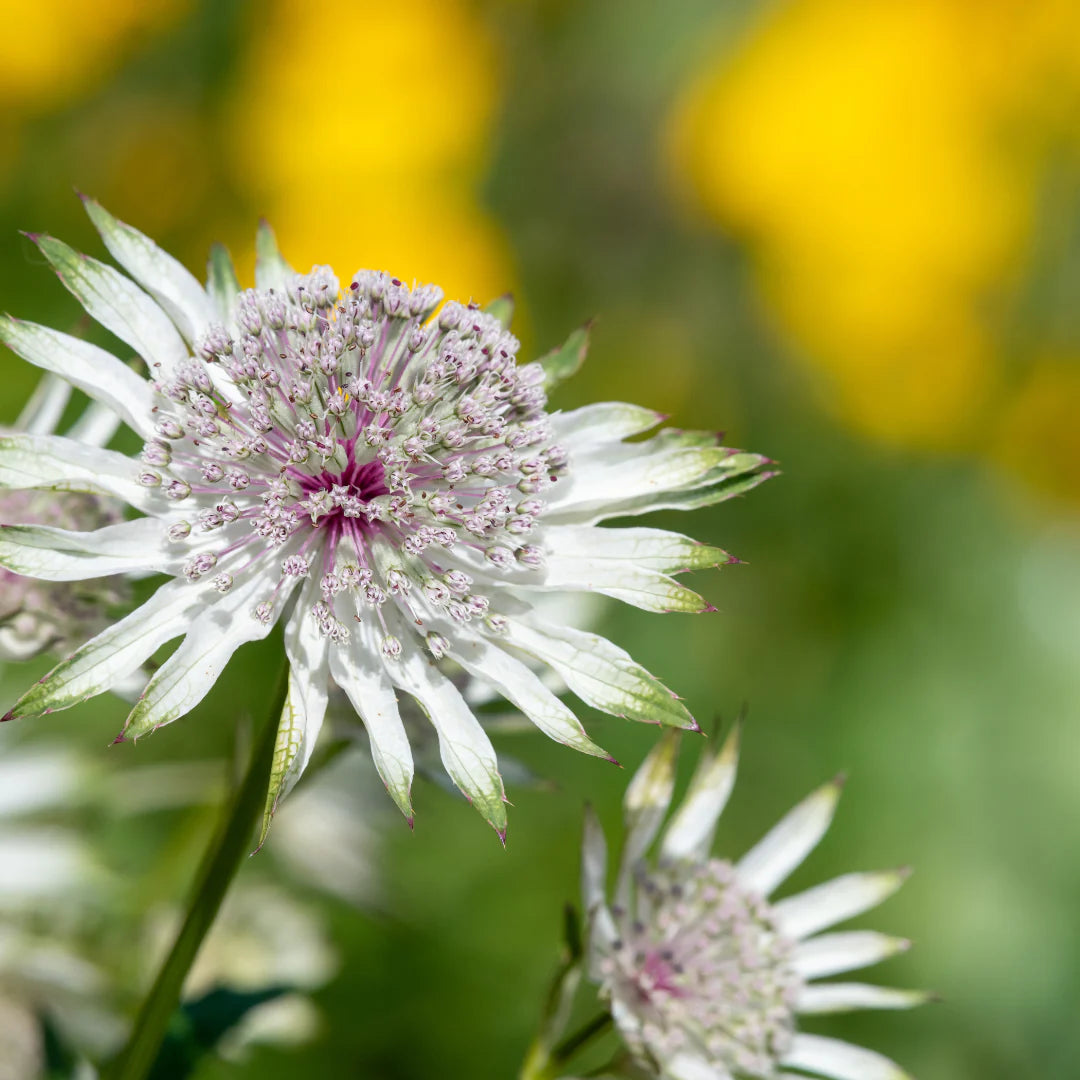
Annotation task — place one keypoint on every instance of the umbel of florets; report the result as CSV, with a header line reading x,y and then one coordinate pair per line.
x,y
363,447
377,471
705,966
706,975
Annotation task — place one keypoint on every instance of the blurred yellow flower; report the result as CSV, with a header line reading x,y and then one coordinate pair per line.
x,y
52,49
362,133
883,160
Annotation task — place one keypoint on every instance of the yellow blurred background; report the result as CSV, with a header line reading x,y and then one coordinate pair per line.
x,y
893,167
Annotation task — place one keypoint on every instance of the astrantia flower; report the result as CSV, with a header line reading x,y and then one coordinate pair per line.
x,y
379,471
705,974
36,615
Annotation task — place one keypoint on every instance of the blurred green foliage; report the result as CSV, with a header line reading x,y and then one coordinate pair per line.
x,y
913,618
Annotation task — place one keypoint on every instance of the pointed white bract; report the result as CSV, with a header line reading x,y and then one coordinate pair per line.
x,y
704,975
376,468
54,609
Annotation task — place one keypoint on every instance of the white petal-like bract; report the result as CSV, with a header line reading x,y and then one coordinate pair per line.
x,y
840,1060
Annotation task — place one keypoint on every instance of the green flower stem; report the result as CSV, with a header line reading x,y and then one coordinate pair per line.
x,y
219,867
541,1065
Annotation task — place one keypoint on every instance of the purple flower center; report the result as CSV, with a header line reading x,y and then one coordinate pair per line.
x,y
363,480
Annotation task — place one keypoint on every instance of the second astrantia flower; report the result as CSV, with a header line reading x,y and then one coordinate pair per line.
x,y
707,975
377,469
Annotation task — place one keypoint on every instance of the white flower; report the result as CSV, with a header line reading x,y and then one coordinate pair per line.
x,y
52,886
385,478
69,915
263,937
36,616
705,974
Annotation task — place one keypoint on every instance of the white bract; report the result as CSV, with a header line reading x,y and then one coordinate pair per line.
x,y
36,616
375,470
705,974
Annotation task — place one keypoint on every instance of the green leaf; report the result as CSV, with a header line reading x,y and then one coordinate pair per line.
x,y
198,1026
561,363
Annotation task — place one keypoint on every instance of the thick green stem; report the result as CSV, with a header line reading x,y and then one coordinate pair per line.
x,y
219,867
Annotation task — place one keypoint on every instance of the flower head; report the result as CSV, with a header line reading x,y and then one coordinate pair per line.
x,y
706,975
36,616
376,469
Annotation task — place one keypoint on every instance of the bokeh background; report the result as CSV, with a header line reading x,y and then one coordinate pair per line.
x,y
845,232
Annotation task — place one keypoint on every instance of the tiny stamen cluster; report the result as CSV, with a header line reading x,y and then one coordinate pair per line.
x,y
705,970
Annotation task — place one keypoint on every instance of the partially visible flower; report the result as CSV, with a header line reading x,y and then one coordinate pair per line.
x,y
262,938
68,918
36,616
45,968
384,477
705,974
